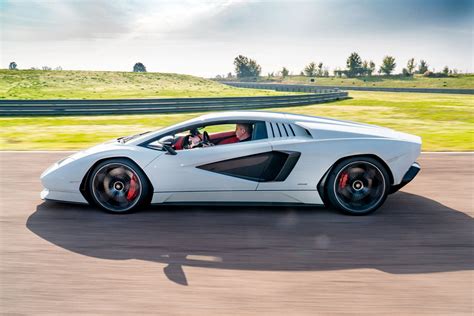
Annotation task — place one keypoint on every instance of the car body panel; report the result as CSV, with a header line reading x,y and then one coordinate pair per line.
x,y
187,177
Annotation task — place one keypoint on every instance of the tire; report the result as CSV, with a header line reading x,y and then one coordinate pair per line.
x,y
118,186
358,186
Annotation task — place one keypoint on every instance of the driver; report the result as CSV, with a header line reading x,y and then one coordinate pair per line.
x,y
243,132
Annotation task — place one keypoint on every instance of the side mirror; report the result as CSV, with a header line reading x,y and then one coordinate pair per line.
x,y
167,140
165,143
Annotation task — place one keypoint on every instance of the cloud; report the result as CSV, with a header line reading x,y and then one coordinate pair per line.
x,y
65,20
203,37
36,20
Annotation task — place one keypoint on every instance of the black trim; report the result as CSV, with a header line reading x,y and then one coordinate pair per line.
x,y
286,132
273,132
290,163
209,203
322,186
191,191
272,166
279,131
292,131
407,178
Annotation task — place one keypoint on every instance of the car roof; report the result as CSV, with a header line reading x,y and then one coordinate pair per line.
x,y
251,115
309,122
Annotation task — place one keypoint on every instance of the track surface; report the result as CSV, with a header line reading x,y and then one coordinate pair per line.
x,y
414,256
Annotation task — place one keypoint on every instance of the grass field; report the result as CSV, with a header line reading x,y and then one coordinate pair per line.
x,y
418,81
38,84
444,121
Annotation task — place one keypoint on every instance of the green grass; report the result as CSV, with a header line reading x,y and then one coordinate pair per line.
x,y
444,121
38,84
398,81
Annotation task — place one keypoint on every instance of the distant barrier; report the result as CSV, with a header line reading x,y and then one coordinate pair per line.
x,y
149,106
316,88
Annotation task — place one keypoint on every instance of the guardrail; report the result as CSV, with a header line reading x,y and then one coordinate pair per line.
x,y
282,87
316,88
148,106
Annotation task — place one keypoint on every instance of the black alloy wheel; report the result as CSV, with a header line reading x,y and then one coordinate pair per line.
x,y
358,186
118,186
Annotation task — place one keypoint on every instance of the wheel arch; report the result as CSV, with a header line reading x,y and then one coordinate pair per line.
x,y
83,187
322,183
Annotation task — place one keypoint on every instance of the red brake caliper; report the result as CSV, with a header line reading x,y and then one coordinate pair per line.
x,y
343,180
132,192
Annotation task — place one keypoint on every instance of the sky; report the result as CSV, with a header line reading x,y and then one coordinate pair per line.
x,y
203,37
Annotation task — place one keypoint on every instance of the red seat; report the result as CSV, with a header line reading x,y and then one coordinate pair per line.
x,y
221,138
229,140
178,145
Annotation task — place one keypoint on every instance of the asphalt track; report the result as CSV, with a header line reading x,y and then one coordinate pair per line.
x,y
414,256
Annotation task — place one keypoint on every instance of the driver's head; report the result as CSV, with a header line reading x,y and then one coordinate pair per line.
x,y
243,131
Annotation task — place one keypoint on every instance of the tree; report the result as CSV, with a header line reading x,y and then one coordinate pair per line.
x,y
310,70
388,65
12,66
371,68
46,68
246,67
446,70
301,73
354,65
422,67
229,75
365,67
320,70
285,72
139,67
411,65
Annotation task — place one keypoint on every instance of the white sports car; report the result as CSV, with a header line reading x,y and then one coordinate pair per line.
x,y
241,157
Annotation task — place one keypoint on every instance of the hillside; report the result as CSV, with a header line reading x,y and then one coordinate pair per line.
x,y
39,84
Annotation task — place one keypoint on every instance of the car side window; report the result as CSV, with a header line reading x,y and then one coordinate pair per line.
x,y
220,134
217,134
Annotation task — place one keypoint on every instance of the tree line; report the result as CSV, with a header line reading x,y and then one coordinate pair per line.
x,y
249,68
355,67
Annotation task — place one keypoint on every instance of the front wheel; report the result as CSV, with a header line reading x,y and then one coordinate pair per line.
x,y
118,186
358,186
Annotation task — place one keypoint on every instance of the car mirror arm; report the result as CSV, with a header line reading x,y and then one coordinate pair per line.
x,y
169,149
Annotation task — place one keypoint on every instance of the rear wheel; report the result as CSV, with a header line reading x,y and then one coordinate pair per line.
x,y
358,186
118,186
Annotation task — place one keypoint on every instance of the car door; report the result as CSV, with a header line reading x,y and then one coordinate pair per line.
x,y
218,168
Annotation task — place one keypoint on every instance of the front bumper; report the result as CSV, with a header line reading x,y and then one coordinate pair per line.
x,y
70,197
409,175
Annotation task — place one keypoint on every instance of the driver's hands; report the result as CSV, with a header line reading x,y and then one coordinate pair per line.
x,y
194,141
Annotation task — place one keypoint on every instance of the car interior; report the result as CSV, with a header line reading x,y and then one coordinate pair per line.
x,y
214,135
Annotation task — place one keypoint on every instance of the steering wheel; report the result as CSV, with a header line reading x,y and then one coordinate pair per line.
x,y
205,141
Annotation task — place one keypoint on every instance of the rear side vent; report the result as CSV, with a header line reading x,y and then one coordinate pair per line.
x,y
285,130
